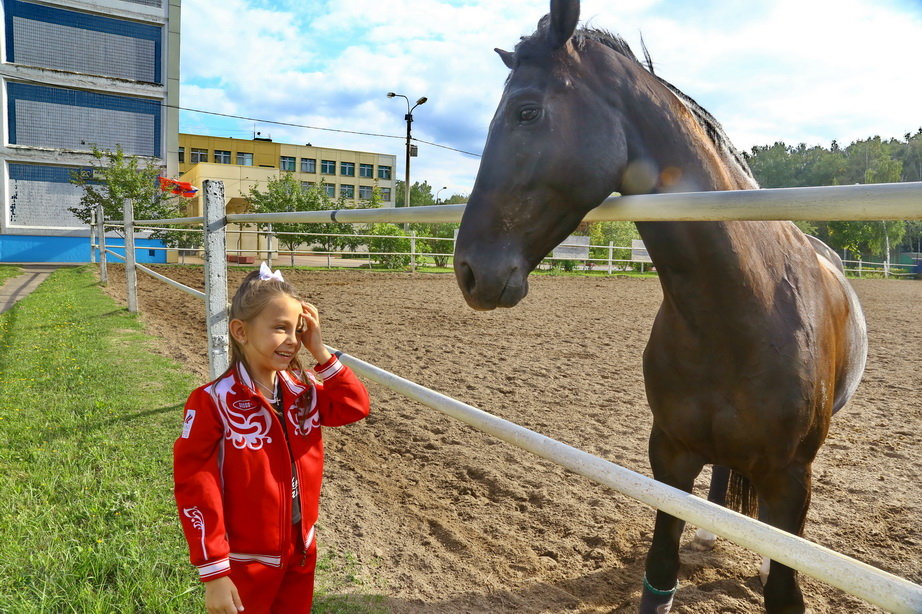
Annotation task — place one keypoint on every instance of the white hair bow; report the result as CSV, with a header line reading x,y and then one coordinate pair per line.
x,y
265,273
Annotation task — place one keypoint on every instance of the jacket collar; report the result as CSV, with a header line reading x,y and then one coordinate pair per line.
x,y
292,386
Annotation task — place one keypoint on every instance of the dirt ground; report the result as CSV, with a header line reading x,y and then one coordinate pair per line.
x,y
443,519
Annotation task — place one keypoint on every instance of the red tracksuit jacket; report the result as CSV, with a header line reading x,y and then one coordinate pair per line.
x,y
232,468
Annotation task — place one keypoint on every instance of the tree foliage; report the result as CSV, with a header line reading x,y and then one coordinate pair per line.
x,y
116,177
285,194
872,160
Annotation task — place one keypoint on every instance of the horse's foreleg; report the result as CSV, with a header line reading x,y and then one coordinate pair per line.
x,y
717,493
676,467
784,497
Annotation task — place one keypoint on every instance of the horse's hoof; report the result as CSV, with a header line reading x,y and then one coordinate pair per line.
x,y
704,540
763,570
654,601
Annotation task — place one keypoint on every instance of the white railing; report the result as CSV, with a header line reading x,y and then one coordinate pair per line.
x,y
892,201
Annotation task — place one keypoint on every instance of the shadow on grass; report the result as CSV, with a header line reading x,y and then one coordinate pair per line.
x,y
85,429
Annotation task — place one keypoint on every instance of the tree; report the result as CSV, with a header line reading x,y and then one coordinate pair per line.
x,y
872,160
420,194
116,177
285,194
620,234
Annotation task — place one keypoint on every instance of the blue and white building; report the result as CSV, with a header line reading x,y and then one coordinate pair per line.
x,y
75,73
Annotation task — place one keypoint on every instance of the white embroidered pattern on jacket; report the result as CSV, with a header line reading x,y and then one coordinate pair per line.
x,y
248,430
303,421
309,424
194,514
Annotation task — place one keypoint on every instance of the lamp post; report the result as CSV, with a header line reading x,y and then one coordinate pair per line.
x,y
409,118
439,192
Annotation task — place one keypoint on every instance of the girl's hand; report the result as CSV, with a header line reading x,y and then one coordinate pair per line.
x,y
221,597
311,336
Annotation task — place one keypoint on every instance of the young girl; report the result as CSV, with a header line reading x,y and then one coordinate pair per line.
x,y
249,461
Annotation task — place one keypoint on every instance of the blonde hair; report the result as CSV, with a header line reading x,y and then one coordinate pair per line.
x,y
250,299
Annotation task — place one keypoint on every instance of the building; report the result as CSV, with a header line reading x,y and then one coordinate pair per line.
x,y
343,172
243,164
78,73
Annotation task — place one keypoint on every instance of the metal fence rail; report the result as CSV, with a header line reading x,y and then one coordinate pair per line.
x,y
882,201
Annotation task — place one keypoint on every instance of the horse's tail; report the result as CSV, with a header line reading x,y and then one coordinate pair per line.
x,y
741,495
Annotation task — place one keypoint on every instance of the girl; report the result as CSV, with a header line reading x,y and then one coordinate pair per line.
x,y
249,461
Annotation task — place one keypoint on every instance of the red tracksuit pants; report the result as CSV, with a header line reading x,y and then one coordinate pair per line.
x,y
288,589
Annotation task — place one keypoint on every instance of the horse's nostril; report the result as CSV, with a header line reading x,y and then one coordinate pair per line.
x,y
465,276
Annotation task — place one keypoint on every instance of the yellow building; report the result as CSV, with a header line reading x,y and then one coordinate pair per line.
x,y
344,173
244,164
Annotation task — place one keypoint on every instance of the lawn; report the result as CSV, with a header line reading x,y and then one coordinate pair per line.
x,y
88,415
7,271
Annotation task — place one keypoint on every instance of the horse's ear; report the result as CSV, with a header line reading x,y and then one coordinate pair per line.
x,y
564,17
507,56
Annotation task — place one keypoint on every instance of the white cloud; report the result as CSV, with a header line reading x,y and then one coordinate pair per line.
x,y
783,70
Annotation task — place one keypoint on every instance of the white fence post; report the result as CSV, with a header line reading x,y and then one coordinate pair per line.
x,y
131,273
101,238
92,236
215,277
413,250
611,252
269,238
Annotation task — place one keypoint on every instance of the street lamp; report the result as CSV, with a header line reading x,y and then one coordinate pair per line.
x,y
439,192
409,118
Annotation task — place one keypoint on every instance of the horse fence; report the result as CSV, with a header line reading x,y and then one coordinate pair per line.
x,y
887,201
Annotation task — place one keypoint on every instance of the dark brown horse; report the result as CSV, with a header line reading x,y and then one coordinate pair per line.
x,y
759,339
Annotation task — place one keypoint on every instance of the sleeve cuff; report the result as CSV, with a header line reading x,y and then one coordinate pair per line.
x,y
329,369
213,571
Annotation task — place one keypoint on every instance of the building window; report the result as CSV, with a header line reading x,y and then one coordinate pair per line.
x,y
221,156
365,192
384,172
330,189
182,155
199,155
308,165
347,191
347,169
244,159
367,170
328,167
385,194
287,163
307,185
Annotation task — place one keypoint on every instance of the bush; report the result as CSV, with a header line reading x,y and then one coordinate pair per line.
x,y
389,247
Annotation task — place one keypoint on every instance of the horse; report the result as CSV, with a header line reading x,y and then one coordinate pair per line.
x,y
759,339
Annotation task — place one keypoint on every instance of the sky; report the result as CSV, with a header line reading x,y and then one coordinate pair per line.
x,y
798,71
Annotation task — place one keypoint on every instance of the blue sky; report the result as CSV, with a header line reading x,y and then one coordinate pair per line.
x,y
777,70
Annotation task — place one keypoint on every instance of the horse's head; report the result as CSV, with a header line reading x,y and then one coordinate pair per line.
x,y
553,153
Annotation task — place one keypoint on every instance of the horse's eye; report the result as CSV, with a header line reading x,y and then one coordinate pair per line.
x,y
529,114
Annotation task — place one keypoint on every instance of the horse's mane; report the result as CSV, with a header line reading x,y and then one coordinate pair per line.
x,y
707,121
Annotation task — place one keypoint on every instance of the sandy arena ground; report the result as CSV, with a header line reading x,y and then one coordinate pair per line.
x,y
443,519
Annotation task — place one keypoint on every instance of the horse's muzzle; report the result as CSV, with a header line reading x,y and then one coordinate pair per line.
x,y
488,284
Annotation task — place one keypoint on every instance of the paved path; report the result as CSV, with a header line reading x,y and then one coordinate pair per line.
x,y
19,287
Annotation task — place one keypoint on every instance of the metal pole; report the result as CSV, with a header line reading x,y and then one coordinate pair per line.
x,y
101,231
269,247
215,277
92,236
413,251
406,185
131,273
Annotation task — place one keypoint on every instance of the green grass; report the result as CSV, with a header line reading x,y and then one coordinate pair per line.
x,y
88,415
7,271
